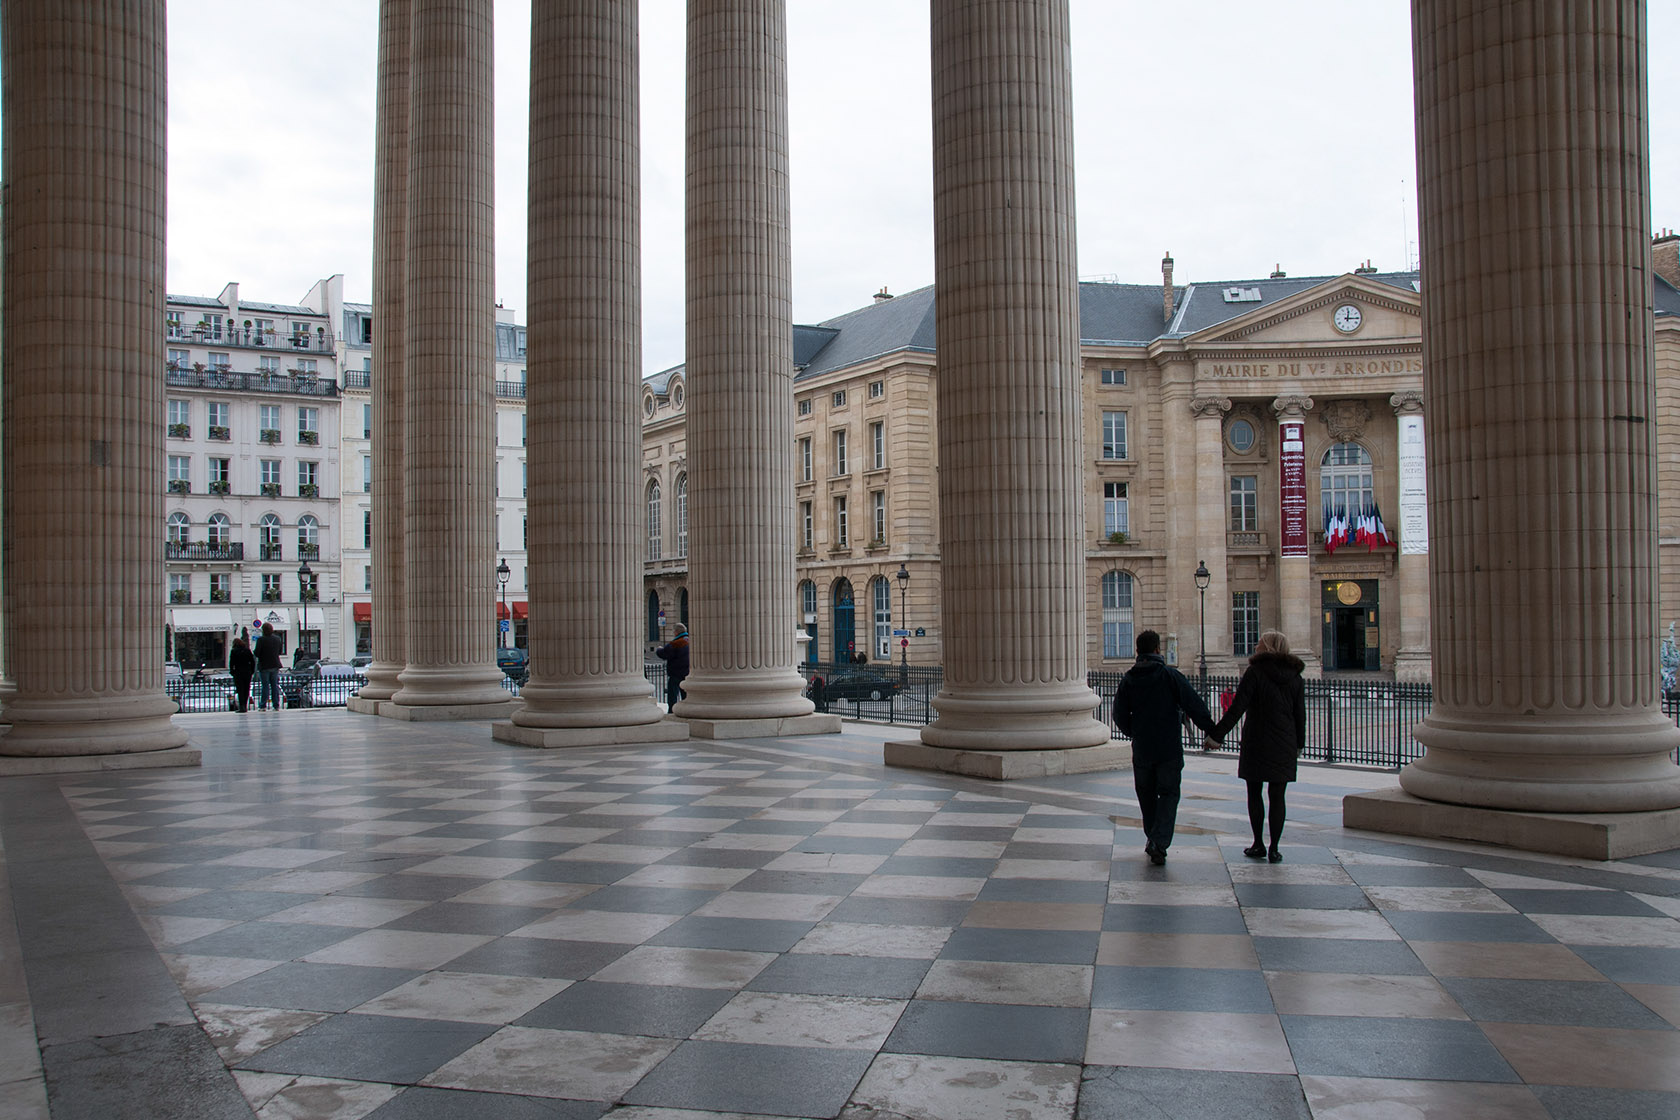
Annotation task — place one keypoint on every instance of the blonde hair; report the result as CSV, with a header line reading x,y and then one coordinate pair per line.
x,y
1272,641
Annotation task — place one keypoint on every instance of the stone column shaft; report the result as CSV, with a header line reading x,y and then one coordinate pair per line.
x,y
740,366
84,89
1211,518
1537,340
1411,660
390,295
584,442
1011,508
449,404
1298,591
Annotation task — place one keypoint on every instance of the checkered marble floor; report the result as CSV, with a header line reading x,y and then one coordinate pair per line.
x,y
339,916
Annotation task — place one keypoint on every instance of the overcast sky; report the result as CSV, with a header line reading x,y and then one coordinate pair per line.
x,y
1237,135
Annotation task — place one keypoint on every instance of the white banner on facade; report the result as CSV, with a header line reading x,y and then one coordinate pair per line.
x,y
1414,496
201,619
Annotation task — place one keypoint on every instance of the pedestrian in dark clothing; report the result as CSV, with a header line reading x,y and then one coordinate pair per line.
x,y
268,667
1149,708
818,692
675,655
1273,736
242,664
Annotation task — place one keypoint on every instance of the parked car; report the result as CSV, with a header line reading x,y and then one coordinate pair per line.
x,y
515,663
860,684
202,691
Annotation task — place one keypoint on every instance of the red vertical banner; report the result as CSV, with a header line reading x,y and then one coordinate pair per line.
x,y
1292,488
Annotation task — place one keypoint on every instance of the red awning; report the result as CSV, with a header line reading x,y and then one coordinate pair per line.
x,y
362,612
521,610
501,609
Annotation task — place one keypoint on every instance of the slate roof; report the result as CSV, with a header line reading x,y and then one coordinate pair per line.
x,y
1203,305
1667,297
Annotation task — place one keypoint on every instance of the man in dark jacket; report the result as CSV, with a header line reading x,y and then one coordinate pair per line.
x,y
1149,708
675,655
268,667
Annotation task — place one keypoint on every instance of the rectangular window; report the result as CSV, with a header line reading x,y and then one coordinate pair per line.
x,y
1113,377
308,424
878,445
270,416
524,480
218,417
1245,622
308,474
220,361
180,467
180,587
840,464
842,530
220,471
367,528
264,326
367,577
367,474
215,324
308,366
172,325
806,529
840,398
269,366
1114,435
180,359
805,459
221,586
523,441
805,407
367,421
1115,518
1245,507
271,587
878,514
877,390
525,533
180,413
270,470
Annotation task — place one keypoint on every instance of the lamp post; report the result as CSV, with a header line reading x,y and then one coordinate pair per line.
x,y
904,613
502,574
1203,578
304,576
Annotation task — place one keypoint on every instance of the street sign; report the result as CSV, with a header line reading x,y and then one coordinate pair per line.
x,y
904,642
901,633
502,625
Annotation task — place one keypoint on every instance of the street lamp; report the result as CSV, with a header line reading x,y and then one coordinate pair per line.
x,y
304,576
904,613
502,574
1203,578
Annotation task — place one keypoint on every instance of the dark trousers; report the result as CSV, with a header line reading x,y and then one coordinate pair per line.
x,y
243,686
1157,784
1257,810
673,690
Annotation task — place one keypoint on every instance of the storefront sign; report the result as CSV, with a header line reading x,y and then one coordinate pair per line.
x,y
1292,488
1414,495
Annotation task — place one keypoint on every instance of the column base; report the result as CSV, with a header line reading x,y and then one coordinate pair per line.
x,y
1411,666
1007,765
1601,836
552,738
367,706
443,713
88,763
774,727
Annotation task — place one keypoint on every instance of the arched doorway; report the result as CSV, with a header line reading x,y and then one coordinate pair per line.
x,y
845,621
653,616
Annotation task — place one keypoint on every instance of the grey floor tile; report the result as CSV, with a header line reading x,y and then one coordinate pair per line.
x,y
1632,965
954,867
421,1103
756,934
1578,902
774,827
899,912
271,941
469,917
972,943
1407,875
649,900
1043,890
1109,1092
1100,852
539,956
648,1010
736,1077
419,888
516,849
1181,989
1428,1049
1422,925
1599,1104
1129,868
371,1048
207,875
1573,1003
171,1071
713,857
1129,918
833,975
102,994
571,871
1316,954
1301,896
312,987
1008,1032
850,845
801,882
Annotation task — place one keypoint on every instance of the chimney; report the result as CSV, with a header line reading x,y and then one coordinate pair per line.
x,y
1166,287
883,295
1277,272
1665,256
1366,269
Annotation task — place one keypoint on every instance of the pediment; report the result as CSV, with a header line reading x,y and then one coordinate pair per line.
x,y
1384,314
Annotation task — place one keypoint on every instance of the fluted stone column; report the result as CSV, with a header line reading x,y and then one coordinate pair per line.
x,y
449,404
740,376
583,441
84,168
1011,510
1297,589
1537,342
1211,518
390,295
1411,660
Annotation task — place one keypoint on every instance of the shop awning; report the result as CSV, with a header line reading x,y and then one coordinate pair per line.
x,y
198,619
362,612
501,609
521,611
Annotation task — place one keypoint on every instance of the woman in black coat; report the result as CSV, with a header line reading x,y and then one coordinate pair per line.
x,y
243,666
1275,699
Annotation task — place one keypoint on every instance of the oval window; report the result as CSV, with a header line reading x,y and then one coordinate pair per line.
x,y
1241,436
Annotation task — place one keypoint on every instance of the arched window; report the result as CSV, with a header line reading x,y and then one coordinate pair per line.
x,y
268,535
880,593
179,526
653,545
1344,479
845,621
1117,614
682,513
808,617
653,634
220,530
309,529
682,604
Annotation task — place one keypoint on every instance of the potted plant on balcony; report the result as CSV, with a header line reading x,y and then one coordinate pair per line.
x,y
221,486
269,435
309,438
271,489
180,431
308,490
180,486
219,432
1119,536
218,596
180,596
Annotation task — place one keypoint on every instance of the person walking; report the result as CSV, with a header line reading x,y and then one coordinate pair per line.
x,y
1149,708
268,667
242,665
675,655
1272,694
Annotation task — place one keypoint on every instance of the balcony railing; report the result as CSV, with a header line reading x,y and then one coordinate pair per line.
x,y
219,596
180,596
514,389
271,489
180,431
308,437
219,377
308,490
271,595
218,432
269,552
253,339
180,486
309,552
197,550
1247,540
220,487
358,379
